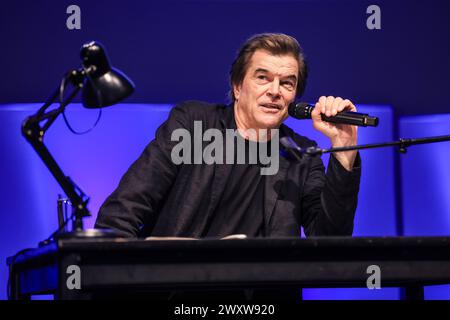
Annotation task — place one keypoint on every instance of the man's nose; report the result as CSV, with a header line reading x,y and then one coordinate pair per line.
x,y
274,88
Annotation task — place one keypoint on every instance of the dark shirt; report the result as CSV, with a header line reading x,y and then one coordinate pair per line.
x,y
241,208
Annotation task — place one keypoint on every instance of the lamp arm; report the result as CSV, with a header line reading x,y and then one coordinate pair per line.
x,y
34,134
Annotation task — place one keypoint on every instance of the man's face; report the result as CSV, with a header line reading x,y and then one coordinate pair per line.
x,y
263,97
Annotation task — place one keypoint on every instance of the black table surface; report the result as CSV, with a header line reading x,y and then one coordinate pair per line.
x,y
322,248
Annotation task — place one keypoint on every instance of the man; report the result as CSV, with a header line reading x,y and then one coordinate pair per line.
x,y
160,197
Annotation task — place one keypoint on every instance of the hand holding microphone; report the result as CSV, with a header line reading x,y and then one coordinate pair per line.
x,y
302,110
342,130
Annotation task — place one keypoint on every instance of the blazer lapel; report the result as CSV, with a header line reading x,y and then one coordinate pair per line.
x,y
221,171
275,184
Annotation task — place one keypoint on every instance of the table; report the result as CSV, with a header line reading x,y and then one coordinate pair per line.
x,y
116,266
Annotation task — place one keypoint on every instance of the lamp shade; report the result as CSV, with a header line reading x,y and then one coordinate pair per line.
x,y
104,85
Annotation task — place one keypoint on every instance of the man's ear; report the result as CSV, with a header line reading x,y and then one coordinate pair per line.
x,y
236,91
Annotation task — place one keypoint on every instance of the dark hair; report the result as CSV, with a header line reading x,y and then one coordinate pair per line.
x,y
276,44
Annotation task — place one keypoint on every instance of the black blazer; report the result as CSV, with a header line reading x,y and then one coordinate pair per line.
x,y
158,198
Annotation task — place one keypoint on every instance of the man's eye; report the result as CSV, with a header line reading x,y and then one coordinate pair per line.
x,y
262,77
288,85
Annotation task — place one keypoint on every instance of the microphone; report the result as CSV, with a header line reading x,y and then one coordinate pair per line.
x,y
303,110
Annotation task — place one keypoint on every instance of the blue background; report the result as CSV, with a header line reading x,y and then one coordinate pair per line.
x,y
182,49
179,50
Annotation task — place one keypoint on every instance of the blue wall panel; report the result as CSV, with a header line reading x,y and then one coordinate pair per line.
x,y
425,173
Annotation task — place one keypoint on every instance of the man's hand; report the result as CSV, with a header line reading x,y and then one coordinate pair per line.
x,y
341,135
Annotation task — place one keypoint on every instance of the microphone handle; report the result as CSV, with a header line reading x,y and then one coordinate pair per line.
x,y
352,118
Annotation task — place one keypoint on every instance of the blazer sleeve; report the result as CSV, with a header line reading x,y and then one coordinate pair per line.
x,y
143,188
329,200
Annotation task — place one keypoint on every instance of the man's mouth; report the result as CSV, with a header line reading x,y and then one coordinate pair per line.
x,y
273,106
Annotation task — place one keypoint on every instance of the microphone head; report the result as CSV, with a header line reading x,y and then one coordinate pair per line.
x,y
300,110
